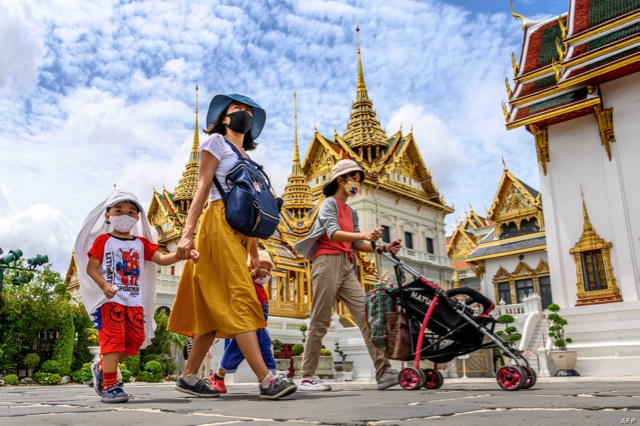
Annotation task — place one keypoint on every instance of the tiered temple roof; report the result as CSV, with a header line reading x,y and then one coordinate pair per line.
x,y
564,60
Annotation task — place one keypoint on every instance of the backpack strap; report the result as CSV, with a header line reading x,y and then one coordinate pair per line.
x,y
240,156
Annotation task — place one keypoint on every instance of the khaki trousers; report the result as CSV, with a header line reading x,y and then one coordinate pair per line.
x,y
333,276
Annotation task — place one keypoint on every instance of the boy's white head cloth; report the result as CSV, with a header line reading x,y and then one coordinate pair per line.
x,y
94,225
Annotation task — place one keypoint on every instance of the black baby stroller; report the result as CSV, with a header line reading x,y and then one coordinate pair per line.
x,y
441,327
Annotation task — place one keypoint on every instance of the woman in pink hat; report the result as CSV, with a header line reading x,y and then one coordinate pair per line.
x,y
331,245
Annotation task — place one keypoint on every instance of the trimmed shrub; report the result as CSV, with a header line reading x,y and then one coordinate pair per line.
x,y
63,349
31,361
50,366
47,379
146,376
126,375
297,349
133,363
11,380
326,352
149,357
82,376
153,367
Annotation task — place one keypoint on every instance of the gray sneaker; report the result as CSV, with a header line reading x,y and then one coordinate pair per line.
x,y
390,378
201,388
313,383
276,387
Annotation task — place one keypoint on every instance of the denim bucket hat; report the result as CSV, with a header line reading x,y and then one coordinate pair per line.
x,y
220,103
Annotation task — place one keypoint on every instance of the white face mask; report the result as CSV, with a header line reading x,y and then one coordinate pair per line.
x,y
263,281
123,223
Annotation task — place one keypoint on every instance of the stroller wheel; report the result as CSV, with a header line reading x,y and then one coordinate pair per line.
x,y
411,378
531,377
433,378
511,377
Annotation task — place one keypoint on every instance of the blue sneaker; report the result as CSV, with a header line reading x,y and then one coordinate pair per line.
x,y
114,394
97,379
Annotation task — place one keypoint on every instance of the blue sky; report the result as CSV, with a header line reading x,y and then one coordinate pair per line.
x,y
94,93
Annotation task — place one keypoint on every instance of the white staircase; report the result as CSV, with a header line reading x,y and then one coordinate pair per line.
x,y
538,340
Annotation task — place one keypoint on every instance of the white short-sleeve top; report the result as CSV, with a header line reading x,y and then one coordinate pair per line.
x,y
219,148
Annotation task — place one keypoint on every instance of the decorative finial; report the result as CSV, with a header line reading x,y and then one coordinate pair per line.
x,y
560,49
411,131
517,15
487,211
470,207
509,91
555,65
503,162
196,135
505,112
563,27
514,65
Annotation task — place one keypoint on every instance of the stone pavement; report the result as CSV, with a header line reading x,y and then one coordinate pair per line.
x,y
552,401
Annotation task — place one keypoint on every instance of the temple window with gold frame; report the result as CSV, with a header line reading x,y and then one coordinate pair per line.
x,y
595,280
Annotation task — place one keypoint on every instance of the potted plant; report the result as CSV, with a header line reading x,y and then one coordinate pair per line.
x,y
325,365
282,364
94,345
564,360
510,335
344,368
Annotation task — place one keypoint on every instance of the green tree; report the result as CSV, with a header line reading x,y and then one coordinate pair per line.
x,y
63,349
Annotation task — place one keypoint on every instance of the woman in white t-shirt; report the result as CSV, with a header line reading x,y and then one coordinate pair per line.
x,y
216,297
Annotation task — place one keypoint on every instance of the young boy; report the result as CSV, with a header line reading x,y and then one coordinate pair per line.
x,y
117,262
232,356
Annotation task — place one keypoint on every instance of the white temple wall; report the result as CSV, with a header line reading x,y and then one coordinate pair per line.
x,y
578,159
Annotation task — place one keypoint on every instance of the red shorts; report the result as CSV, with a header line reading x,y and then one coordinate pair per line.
x,y
122,328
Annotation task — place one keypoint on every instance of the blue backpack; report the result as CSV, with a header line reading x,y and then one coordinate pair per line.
x,y
377,304
251,208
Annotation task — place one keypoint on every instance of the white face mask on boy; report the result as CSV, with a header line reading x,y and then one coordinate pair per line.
x,y
263,281
123,223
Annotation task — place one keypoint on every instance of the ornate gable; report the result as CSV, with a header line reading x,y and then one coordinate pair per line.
x,y
71,279
501,275
460,244
514,202
162,214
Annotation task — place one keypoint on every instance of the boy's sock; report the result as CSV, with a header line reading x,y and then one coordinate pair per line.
x,y
110,379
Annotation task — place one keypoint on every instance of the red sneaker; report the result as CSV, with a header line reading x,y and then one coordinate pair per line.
x,y
217,383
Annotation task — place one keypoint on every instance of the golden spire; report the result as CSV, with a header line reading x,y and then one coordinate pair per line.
x,y
585,214
296,170
361,90
186,188
363,129
297,195
456,278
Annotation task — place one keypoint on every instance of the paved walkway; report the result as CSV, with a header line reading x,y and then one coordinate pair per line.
x,y
553,401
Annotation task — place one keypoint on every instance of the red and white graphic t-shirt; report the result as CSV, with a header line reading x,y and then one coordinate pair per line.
x,y
121,264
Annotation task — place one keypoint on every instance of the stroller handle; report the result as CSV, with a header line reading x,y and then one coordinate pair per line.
x,y
380,251
475,296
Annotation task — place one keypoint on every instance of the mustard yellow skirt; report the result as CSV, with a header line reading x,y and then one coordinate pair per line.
x,y
217,293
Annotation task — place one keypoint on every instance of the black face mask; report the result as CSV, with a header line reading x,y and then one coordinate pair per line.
x,y
240,121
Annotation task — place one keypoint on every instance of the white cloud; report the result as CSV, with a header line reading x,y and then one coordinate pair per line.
x,y
22,48
102,92
40,229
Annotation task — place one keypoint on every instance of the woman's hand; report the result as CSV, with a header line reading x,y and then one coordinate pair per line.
x,y
257,271
393,247
372,236
185,246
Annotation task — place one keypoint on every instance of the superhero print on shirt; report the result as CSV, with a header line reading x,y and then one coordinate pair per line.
x,y
129,267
